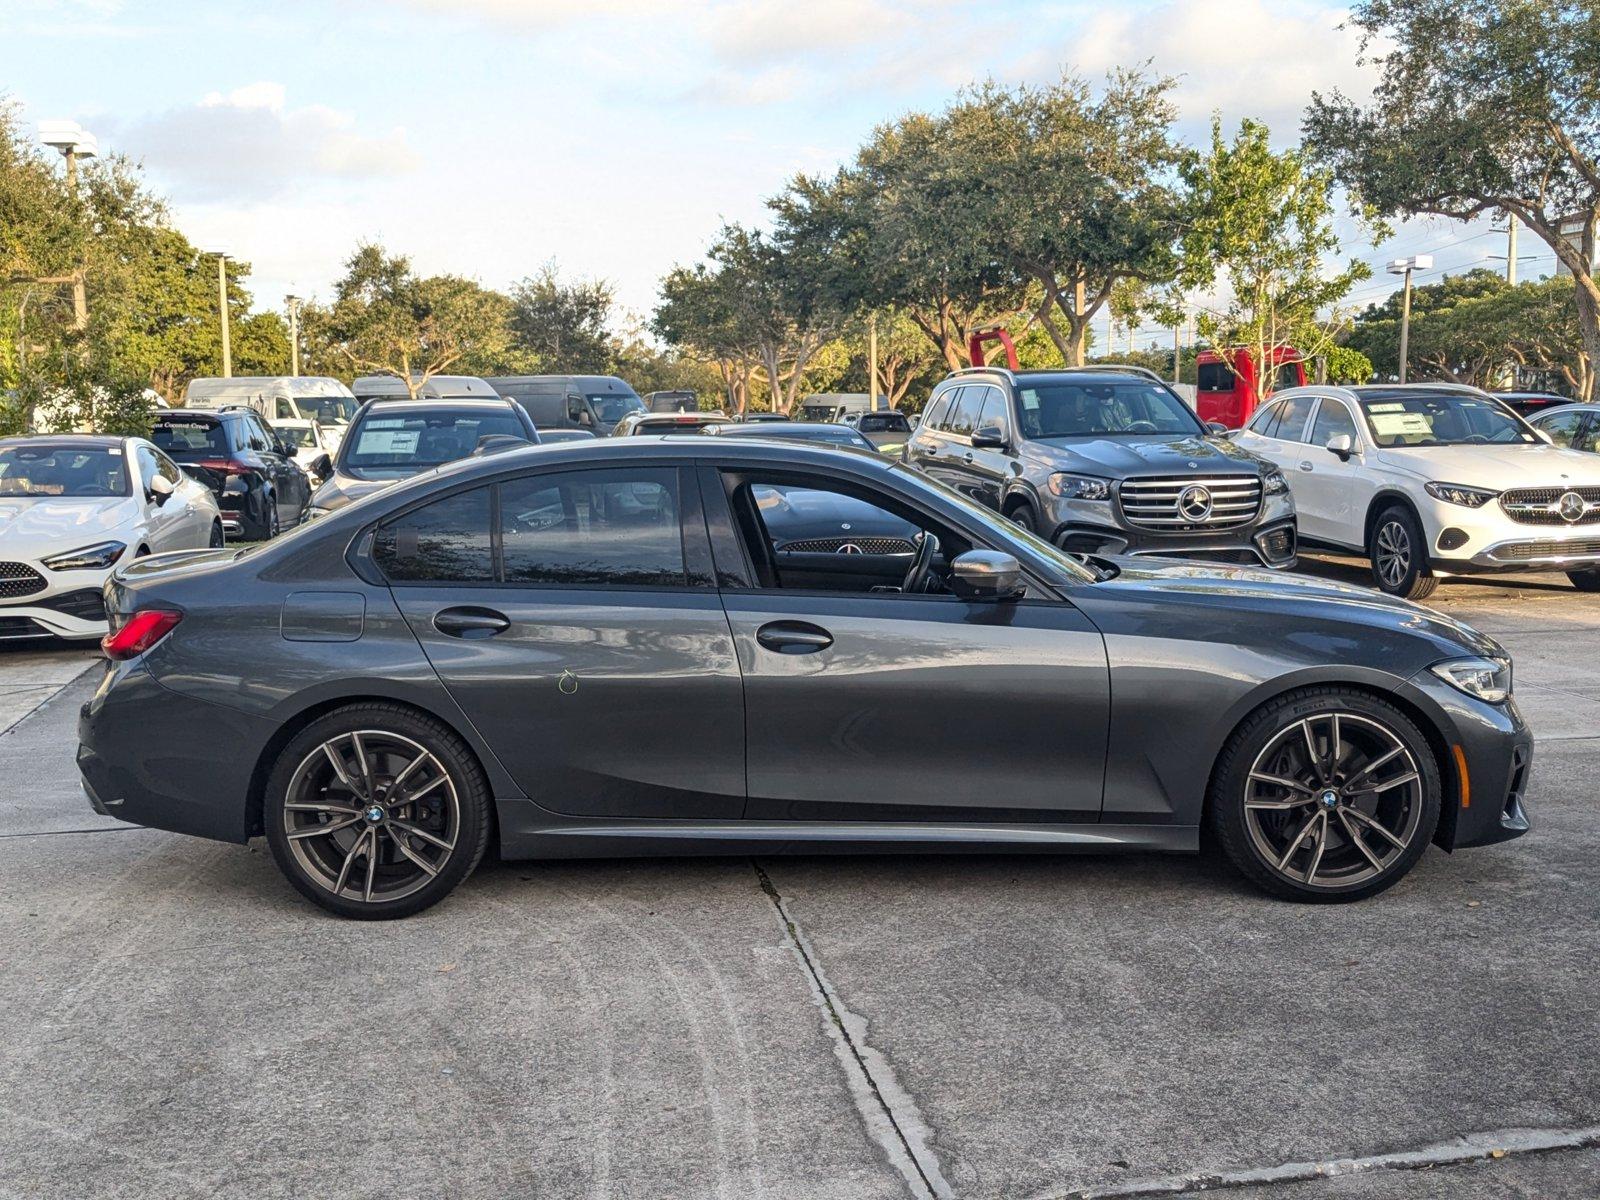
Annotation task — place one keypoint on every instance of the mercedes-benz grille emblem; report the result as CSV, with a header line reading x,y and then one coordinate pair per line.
x,y
1572,506
848,548
1194,503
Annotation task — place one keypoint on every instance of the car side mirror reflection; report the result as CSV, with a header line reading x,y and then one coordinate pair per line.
x,y
986,575
989,437
1341,446
322,465
1218,428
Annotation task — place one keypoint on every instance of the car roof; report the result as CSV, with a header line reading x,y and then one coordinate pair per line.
x,y
65,439
464,403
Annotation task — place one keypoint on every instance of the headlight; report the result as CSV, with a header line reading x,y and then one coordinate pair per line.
x,y
1274,484
1080,487
1455,493
91,558
1486,678
314,512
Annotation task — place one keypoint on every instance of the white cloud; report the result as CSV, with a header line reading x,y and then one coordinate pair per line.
x,y
249,143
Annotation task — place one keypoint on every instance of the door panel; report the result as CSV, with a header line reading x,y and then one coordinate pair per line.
x,y
599,703
920,708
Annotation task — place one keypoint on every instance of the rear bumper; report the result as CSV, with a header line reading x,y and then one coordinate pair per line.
x,y
153,757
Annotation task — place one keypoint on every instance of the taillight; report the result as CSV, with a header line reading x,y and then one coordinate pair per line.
x,y
139,632
231,466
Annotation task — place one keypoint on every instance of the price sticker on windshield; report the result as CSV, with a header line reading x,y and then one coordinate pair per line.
x,y
388,441
1401,424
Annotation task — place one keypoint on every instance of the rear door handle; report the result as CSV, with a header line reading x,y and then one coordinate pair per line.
x,y
470,622
1306,465
794,637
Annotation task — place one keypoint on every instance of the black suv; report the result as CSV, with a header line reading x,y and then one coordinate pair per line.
x,y
259,486
1103,461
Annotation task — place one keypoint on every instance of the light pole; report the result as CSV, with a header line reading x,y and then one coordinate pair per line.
x,y
74,142
1404,266
222,307
294,333
872,363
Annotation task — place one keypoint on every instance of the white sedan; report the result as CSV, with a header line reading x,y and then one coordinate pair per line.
x,y
72,507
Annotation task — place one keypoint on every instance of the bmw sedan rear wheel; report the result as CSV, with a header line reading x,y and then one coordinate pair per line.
x,y
375,811
1326,795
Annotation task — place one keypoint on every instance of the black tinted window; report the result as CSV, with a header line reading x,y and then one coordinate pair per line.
x,y
937,408
965,418
1215,377
593,527
446,542
187,439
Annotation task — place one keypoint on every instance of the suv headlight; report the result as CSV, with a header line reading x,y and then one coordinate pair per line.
x,y
1274,484
91,558
1457,493
1486,678
1079,487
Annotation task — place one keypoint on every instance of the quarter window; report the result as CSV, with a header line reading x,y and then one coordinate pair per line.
x,y
447,541
606,528
1265,422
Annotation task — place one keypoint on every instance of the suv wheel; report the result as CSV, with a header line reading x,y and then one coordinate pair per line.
x,y
1399,555
1586,581
375,811
1327,794
1022,517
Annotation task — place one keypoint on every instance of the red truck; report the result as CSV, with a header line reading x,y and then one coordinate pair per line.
x,y
1229,395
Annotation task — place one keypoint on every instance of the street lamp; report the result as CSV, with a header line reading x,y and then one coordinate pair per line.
x,y
294,333
74,142
1404,266
222,306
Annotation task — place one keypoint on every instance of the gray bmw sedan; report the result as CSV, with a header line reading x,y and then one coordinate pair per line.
x,y
738,646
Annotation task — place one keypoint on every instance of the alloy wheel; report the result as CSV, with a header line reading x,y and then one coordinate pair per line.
x,y
1333,800
371,816
1392,555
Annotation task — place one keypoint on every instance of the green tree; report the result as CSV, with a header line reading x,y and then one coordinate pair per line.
x,y
1482,106
1440,345
695,317
564,326
1262,222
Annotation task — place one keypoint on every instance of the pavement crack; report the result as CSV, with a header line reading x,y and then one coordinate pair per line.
x,y
1470,1147
887,1109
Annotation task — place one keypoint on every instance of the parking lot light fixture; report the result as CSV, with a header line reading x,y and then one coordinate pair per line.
x,y
1405,266
222,306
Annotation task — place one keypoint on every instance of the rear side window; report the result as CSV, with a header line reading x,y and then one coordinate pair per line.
x,y
965,418
595,528
937,408
447,541
1265,422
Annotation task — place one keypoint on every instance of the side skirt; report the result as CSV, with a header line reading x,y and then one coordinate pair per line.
x,y
623,838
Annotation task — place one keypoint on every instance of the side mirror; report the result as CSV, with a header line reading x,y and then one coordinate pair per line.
x,y
986,575
1341,447
160,489
322,466
1218,428
989,437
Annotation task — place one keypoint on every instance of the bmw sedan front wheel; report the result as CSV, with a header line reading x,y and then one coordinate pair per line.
x,y
375,811
1326,795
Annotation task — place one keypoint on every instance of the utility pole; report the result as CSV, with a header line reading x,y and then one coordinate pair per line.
x,y
74,142
222,307
1405,266
872,363
1511,248
294,333
1177,353
1078,300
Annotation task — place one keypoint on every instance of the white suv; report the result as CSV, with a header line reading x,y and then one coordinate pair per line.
x,y
1431,479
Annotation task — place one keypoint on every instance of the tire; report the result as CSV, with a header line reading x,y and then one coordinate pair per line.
x,y
1399,555
322,819
217,539
1022,517
267,527
1269,804
1586,581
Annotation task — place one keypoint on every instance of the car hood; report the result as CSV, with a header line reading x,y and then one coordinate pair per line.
x,y
1496,467
1120,457
344,489
32,527
1236,591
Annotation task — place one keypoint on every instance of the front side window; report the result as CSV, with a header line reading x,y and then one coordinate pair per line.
x,y
593,528
447,541
1081,409
1292,425
937,408
44,471
285,410
1441,419
1333,420
993,411
965,417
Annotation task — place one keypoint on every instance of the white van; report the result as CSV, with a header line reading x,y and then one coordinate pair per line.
x,y
438,387
281,398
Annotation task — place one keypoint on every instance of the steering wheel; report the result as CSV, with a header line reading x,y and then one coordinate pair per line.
x,y
94,489
1142,427
916,580
1476,439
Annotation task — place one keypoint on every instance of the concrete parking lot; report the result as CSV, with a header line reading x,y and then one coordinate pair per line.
x,y
179,1023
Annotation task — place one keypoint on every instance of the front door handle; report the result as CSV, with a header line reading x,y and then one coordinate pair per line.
x,y
1306,465
794,637
470,622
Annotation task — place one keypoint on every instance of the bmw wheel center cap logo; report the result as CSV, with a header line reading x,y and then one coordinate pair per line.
x,y
1194,503
1572,507
374,813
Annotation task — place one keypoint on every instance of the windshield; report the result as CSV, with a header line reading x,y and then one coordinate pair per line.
x,y
1005,530
1441,419
833,435
330,410
299,436
1073,409
45,470
611,407
883,423
392,445
189,440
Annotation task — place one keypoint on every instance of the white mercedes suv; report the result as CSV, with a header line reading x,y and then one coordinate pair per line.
x,y
1431,479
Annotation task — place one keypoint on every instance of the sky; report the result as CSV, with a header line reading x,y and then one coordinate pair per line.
x,y
612,137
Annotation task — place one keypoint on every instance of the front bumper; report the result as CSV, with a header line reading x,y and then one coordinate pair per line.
x,y
1470,541
1489,755
1094,527
70,605
195,781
